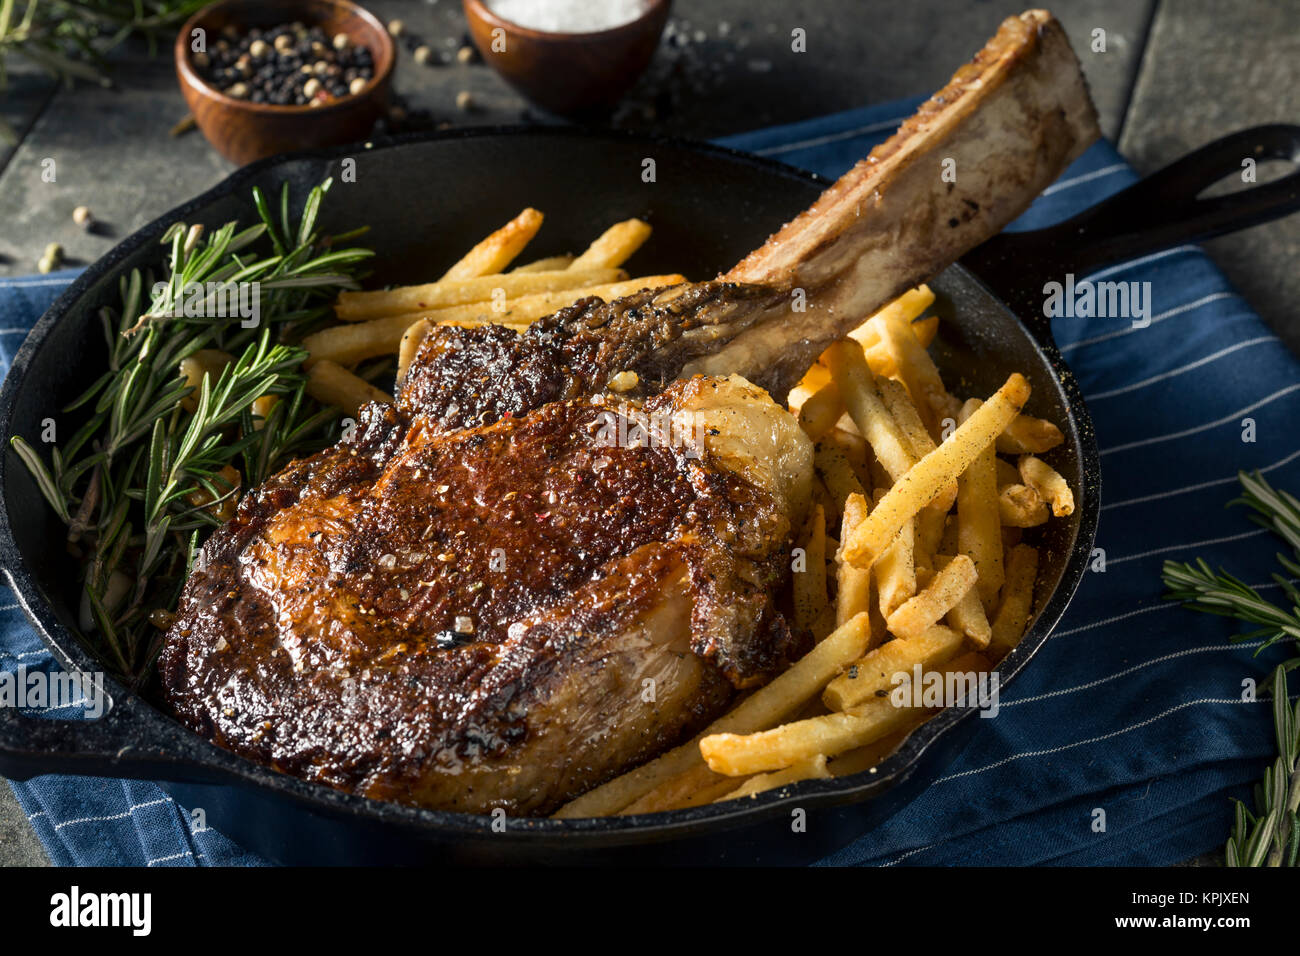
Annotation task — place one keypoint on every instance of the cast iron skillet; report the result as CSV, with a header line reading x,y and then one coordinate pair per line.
x,y
428,197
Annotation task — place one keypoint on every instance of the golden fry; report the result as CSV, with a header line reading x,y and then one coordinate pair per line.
x,y
821,411
1017,600
1049,484
895,572
919,486
968,615
781,747
900,406
1020,506
915,368
857,387
331,384
810,599
940,596
814,768
549,264
1026,435
409,345
879,671
928,532
854,594
979,521
614,246
694,788
499,249
840,478
489,289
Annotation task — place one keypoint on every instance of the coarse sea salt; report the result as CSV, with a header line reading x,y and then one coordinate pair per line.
x,y
569,16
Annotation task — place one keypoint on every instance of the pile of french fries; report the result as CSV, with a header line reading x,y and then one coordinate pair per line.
x,y
476,290
912,556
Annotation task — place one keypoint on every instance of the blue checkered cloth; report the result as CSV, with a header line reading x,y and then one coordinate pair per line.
x,y
1133,707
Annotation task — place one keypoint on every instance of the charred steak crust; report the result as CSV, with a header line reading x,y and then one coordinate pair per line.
x,y
464,377
392,615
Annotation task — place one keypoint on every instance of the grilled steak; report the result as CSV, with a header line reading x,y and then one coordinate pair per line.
x,y
494,616
513,584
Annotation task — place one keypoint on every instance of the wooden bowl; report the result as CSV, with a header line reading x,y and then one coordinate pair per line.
x,y
243,131
568,73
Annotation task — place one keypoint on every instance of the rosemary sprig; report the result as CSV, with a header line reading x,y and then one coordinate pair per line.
x,y
1271,835
70,38
1203,589
139,484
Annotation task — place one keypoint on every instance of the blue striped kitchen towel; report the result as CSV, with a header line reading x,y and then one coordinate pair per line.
x,y
1134,707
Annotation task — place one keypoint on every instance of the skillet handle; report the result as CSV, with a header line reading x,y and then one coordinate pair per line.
x,y
122,743
1160,211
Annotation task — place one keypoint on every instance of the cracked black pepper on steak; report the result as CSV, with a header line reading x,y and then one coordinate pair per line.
x,y
287,65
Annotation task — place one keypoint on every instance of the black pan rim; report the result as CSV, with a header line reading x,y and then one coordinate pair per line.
x,y
235,770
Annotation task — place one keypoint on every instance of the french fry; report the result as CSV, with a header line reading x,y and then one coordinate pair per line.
x,y
967,615
840,478
940,596
915,368
1017,600
331,384
768,705
1026,435
925,330
896,399
817,376
907,307
1049,484
499,249
878,672
856,452
1008,474
614,246
948,540
814,768
857,387
919,486
357,341
410,344
810,583
854,594
781,747
549,264
895,572
929,525
1020,506
820,411
979,521
379,304
872,754
694,788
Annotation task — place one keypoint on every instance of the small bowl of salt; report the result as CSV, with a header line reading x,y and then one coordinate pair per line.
x,y
572,57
